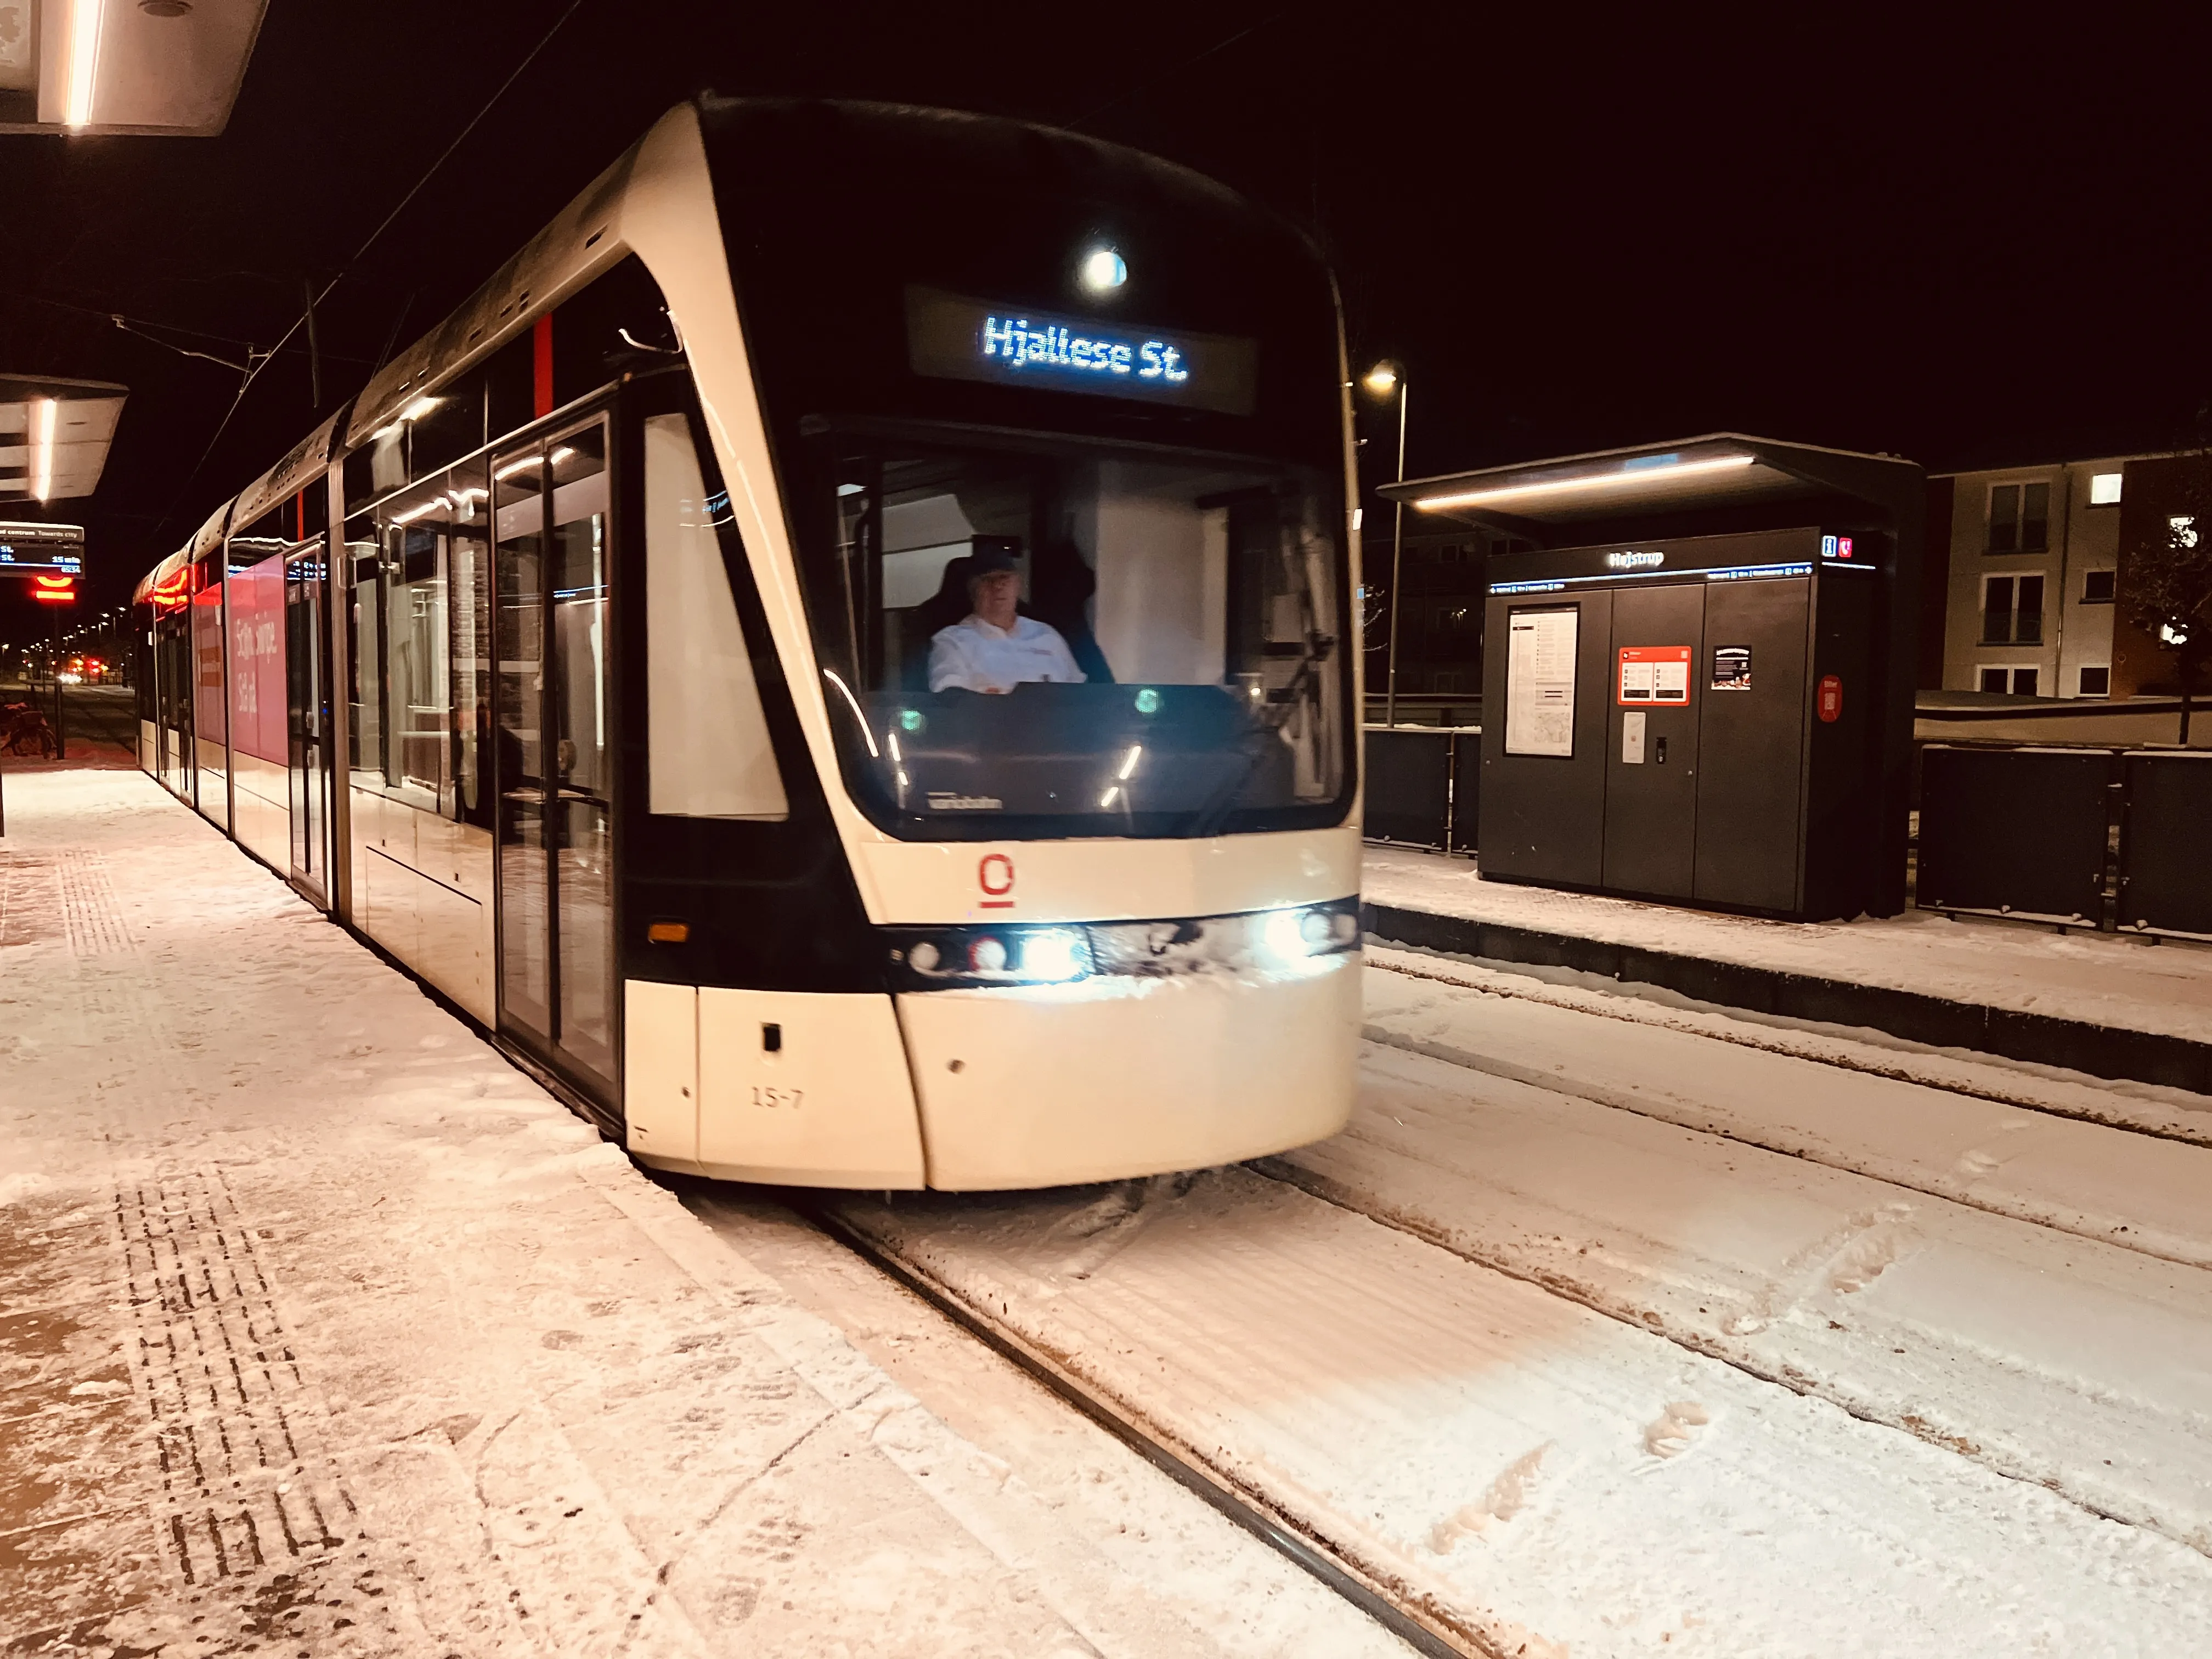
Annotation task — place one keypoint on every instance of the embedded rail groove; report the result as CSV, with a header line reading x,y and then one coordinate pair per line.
x,y
1899,1073
2114,1052
1425,1627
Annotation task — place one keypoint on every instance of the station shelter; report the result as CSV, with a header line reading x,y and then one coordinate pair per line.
x,y
1698,683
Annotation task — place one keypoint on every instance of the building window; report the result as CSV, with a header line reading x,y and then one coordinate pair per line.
x,y
2012,610
2105,488
2019,518
2014,682
2096,682
2097,587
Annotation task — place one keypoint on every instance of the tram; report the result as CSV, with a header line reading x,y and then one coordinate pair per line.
x,y
621,662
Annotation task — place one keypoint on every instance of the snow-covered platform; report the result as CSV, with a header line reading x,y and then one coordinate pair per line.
x,y
325,1331
2111,1006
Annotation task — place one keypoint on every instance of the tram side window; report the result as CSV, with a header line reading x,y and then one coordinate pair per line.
x,y
418,708
209,722
421,615
708,738
469,590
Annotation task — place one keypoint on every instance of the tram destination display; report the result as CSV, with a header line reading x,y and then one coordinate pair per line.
x,y
950,337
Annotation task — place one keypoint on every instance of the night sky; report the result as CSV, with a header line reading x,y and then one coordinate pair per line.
x,y
1574,230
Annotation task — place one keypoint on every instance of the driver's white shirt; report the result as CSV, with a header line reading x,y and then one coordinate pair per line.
x,y
972,655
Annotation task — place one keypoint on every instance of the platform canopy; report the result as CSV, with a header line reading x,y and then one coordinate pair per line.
x,y
1717,478
54,435
160,67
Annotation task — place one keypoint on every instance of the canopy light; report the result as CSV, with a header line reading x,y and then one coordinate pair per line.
x,y
44,413
83,63
1382,379
153,67
1632,474
54,433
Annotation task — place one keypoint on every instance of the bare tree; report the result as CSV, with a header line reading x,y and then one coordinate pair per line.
x,y
2168,589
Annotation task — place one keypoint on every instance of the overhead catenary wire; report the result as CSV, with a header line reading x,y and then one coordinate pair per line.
x,y
1174,69
317,296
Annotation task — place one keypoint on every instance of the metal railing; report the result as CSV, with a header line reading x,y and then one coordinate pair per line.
x,y
2116,839
1424,785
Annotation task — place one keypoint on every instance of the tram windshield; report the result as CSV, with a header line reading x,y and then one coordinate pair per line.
x,y
1023,636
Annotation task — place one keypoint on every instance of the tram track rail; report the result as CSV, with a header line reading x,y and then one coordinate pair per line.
x,y
1655,1109
1417,1619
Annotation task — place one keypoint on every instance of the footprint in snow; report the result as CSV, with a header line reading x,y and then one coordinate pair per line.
x,y
1507,1497
1862,1261
1677,1427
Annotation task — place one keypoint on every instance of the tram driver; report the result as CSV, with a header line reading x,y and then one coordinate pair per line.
x,y
994,647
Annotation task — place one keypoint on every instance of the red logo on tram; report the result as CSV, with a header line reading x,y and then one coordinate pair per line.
x,y
995,876
1832,697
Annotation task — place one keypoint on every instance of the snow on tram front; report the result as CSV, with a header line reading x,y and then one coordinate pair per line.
x,y
901,679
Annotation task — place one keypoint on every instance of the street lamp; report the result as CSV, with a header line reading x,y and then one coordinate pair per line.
x,y
1382,381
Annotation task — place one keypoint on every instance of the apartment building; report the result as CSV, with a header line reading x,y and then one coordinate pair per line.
x,y
2031,571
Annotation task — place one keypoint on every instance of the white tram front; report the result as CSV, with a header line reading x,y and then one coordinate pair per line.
x,y
614,664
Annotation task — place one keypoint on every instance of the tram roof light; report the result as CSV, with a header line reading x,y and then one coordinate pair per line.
x,y
419,408
1102,270
1634,473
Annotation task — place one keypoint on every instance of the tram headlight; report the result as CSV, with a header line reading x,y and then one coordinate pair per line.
x,y
1304,931
1053,954
948,958
1291,941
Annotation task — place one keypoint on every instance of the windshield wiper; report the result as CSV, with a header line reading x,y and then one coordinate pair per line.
x,y
1256,743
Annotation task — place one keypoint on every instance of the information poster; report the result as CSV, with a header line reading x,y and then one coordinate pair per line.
x,y
1540,682
1731,668
1654,675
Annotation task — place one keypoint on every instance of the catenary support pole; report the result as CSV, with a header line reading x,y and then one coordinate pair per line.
x,y
61,742
1397,561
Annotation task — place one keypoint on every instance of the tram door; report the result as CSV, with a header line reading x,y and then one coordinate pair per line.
x,y
307,703
553,754
172,698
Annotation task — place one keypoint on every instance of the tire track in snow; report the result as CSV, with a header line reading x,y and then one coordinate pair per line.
x,y
1845,1371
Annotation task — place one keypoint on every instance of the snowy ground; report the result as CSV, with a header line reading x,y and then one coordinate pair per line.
x,y
1602,1336
1609,1327
2102,979
324,1331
